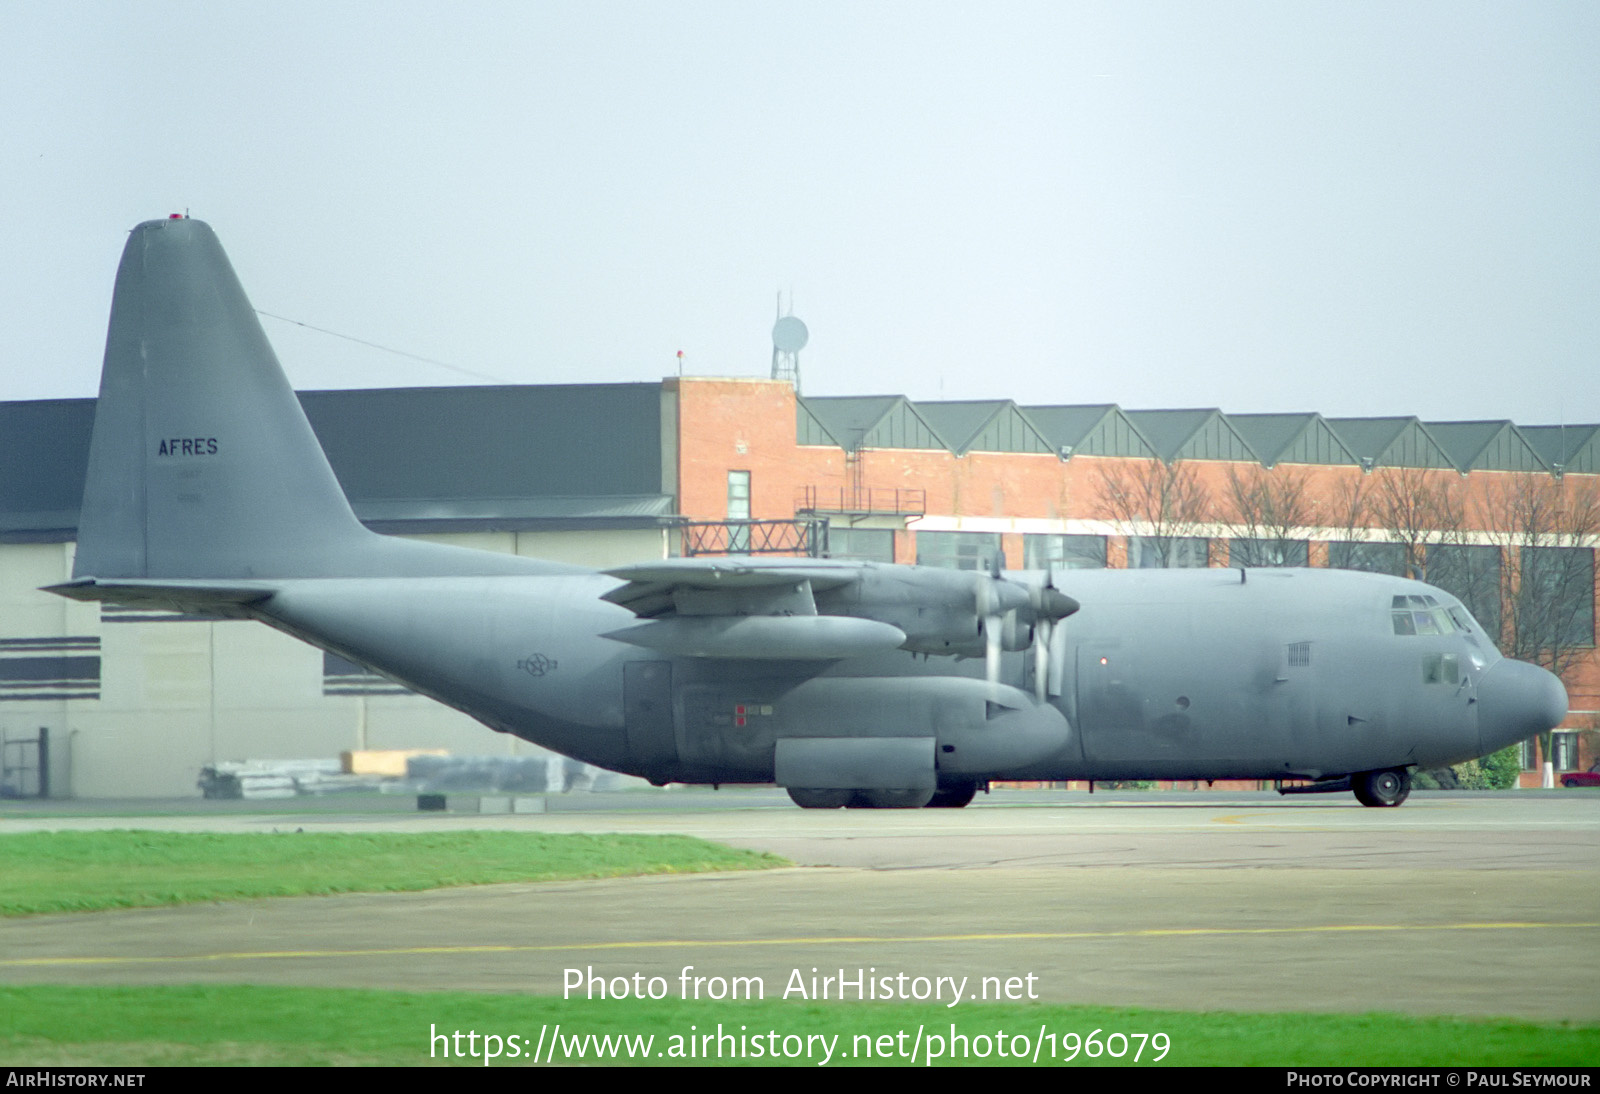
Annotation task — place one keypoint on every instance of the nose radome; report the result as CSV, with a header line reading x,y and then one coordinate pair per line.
x,y
1515,701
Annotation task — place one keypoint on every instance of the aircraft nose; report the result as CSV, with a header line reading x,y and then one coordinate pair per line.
x,y
1515,701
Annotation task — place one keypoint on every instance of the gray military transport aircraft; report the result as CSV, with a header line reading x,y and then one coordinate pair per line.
x,y
847,683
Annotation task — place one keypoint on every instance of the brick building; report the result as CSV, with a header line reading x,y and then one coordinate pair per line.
x,y
1504,516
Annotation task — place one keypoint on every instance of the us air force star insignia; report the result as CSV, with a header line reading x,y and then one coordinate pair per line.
x,y
537,665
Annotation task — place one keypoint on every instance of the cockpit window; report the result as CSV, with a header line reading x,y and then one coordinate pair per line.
x,y
1421,614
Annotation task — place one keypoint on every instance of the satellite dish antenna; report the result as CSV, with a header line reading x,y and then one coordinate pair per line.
x,y
789,337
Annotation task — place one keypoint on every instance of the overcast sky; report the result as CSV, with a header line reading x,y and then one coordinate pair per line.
x,y
1355,208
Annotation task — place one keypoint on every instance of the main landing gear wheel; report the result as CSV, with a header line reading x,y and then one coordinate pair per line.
x,y
891,799
1382,789
809,798
953,797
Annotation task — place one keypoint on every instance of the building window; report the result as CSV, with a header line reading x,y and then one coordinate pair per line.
x,y
1472,575
1555,598
1168,552
1269,552
738,509
1064,552
958,550
1564,751
1374,558
738,495
861,544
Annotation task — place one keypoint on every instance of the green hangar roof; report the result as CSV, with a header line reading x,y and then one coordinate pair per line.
x,y
1291,438
988,426
1486,446
1099,430
1574,448
869,421
1390,442
1203,434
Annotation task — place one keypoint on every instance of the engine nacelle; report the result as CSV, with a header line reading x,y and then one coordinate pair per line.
x,y
940,611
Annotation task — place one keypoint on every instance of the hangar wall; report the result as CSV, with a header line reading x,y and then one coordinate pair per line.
x,y
137,702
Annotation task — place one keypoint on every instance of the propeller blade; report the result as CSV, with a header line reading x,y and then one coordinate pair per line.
x,y
991,653
1041,658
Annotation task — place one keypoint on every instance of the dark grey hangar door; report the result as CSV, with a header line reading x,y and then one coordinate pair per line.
x,y
647,713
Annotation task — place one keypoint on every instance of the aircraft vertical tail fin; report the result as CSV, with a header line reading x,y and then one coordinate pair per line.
x,y
202,464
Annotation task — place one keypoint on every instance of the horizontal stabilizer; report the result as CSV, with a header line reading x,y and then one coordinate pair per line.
x,y
765,638
207,597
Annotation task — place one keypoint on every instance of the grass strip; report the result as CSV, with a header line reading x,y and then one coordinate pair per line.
x,y
201,1025
93,871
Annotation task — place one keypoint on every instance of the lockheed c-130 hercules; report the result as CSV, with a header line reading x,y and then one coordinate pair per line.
x,y
847,683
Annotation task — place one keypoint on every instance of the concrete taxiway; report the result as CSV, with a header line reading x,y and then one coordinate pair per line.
x,y
1452,904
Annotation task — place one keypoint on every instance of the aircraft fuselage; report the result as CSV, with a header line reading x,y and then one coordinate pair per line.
x,y
1200,674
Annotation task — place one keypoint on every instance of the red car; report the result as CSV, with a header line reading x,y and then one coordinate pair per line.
x,y
1590,777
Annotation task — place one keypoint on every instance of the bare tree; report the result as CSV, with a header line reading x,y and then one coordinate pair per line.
x,y
1272,510
1417,507
1393,518
1351,507
1162,504
1546,530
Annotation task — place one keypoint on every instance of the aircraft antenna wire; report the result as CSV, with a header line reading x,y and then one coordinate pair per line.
x,y
388,349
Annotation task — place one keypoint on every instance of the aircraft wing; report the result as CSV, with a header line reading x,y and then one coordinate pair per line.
x,y
653,588
829,609
745,609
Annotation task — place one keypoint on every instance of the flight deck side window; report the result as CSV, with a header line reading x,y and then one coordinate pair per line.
x,y
1441,668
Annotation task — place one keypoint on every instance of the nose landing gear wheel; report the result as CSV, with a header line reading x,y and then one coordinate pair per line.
x,y
1382,789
